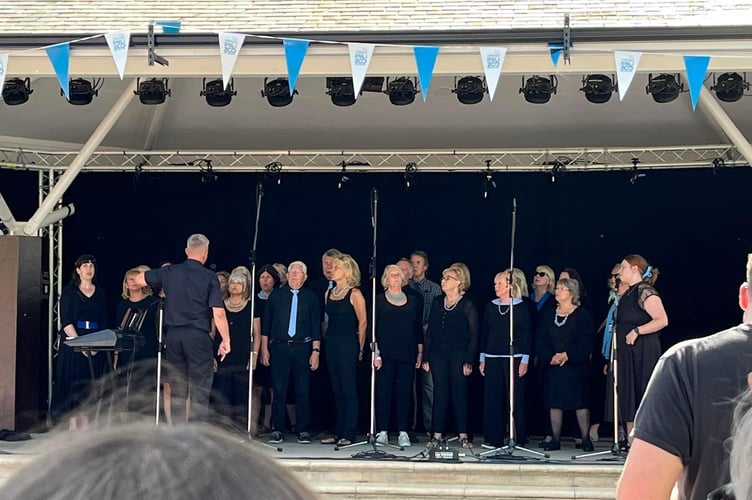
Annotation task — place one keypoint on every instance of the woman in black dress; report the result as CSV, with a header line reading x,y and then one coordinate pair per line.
x,y
451,343
399,351
639,317
83,310
344,343
269,280
564,342
495,355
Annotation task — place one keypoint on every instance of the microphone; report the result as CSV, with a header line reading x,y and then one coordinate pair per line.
x,y
514,204
260,190
375,194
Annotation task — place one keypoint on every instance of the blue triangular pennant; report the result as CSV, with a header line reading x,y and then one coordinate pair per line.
x,y
59,56
295,51
697,68
555,49
171,27
425,59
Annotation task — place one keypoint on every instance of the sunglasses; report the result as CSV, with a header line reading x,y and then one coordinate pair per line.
x,y
541,274
614,276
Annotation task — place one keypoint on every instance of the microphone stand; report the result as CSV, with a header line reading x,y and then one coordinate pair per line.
x,y
615,450
375,453
252,259
160,327
508,450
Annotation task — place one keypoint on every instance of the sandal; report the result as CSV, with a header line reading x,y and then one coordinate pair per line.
x,y
330,440
465,443
344,442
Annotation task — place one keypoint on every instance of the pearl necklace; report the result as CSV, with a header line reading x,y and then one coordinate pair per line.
x,y
447,308
509,307
565,316
339,294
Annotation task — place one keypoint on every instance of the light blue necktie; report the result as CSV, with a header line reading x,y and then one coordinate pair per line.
x,y
293,314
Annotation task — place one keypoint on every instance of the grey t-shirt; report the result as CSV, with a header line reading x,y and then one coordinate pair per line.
x,y
689,404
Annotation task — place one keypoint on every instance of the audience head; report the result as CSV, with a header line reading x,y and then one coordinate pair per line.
x,y
391,273
85,268
568,288
419,261
634,268
544,276
129,282
197,247
345,267
140,461
297,272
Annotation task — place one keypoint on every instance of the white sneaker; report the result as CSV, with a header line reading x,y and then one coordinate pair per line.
x,y
404,440
382,438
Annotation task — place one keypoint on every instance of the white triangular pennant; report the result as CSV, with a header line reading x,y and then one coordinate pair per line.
x,y
229,48
360,58
3,68
626,68
493,60
118,42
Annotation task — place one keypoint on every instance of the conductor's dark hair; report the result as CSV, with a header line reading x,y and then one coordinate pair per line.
x,y
138,461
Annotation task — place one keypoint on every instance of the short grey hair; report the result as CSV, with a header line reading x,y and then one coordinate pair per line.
x,y
298,263
196,241
574,288
332,252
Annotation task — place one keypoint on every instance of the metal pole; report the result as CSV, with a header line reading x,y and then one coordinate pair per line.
x,y
713,110
57,192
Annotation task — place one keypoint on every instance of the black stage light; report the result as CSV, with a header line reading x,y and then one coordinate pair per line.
x,y
411,169
598,88
216,93
152,91
538,89
401,91
17,91
372,84
277,92
469,89
730,87
664,87
341,90
81,92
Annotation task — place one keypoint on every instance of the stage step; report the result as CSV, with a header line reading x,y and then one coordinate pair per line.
x,y
361,479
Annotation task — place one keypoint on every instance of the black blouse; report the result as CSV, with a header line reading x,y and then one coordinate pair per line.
x,y
399,329
495,333
452,329
573,336
75,307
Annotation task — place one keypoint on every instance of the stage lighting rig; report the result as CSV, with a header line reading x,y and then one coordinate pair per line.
x,y
401,91
411,169
152,91
273,171
81,92
341,90
344,179
636,174
17,91
470,89
489,182
277,92
538,89
664,87
730,87
598,88
217,95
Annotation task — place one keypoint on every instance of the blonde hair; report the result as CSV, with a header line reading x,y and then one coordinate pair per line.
x,y
517,282
352,271
463,275
385,275
550,275
126,294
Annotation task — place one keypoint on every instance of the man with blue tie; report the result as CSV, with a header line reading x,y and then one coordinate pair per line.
x,y
290,342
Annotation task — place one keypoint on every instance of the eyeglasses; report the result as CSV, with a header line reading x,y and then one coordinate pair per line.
x,y
541,274
447,277
562,289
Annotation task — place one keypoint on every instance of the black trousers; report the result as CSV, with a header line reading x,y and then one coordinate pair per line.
x,y
286,359
191,369
394,376
342,356
231,393
496,402
449,382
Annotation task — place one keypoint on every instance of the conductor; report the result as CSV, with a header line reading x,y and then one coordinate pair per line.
x,y
193,299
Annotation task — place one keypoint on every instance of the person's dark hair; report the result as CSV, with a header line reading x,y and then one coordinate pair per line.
x,y
268,268
137,461
423,255
574,274
83,259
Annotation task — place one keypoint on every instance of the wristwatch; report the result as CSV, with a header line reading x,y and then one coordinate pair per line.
x,y
637,330
316,349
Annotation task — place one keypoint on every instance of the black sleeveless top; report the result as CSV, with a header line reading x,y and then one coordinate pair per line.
x,y
342,319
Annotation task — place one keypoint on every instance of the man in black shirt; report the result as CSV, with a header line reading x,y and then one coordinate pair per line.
x,y
290,341
193,299
684,422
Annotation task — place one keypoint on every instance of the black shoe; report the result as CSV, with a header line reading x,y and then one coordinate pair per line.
x,y
304,438
276,437
552,445
587,445
542,444
413,437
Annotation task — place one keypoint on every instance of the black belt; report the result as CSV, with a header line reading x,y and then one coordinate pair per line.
x,y
290,341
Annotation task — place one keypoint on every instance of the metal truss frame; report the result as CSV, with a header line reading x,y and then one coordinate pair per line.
x,y
54,236
277,162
